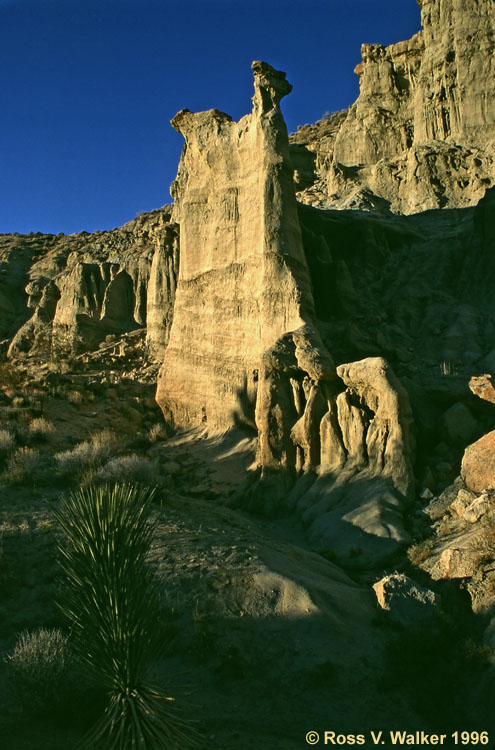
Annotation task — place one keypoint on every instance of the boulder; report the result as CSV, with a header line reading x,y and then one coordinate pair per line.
x,y
484,387
478,464
406,602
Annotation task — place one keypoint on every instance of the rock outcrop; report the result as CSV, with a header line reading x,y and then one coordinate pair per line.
x,y
72,291
478,464
243,280
421,133
406,602
245,349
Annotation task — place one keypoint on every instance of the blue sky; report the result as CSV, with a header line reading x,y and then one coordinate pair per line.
x,y
88,90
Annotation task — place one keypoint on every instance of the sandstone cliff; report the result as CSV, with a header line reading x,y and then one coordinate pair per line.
x,y
245,349
243,279
421,133
64,294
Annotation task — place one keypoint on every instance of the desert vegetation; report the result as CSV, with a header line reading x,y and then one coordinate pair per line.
x,y
111,598
41,670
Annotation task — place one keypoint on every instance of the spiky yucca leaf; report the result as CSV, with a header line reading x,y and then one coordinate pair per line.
x,y
111,598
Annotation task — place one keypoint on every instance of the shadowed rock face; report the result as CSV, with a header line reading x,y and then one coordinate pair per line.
x,y
421,133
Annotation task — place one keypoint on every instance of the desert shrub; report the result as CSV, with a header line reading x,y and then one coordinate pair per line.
x,y
74,397
157,432
22,466
73,462
132,468
111,600
41,428
106,443
419,553
40,668
7,443
88,456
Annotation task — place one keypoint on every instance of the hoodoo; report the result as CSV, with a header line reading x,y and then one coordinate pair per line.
x,y
244,347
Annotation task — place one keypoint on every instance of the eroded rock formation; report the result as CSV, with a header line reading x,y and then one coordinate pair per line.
x,y
244,347
421,133
243,280
72,291
315,330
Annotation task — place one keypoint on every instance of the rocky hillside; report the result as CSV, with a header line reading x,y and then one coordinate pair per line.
x,y
62,295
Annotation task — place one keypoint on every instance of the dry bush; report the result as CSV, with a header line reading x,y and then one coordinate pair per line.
x,y
106,442
41,428
132,468
7,443
157,432
74,397
418,553
40,666
22,466
88,456
77,460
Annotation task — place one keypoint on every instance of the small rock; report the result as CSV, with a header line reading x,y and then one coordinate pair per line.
x,y
426,494
406,601
457,563
477,508
462,501
484,387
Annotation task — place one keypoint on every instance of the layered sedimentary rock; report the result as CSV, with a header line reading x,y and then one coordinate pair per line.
x,y
421,133
244,347
243,280
77,289
271,294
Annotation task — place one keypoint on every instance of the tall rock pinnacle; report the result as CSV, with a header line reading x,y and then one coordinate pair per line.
x,y
243,280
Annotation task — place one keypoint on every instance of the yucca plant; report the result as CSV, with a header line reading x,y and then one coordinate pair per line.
x,y
111,599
